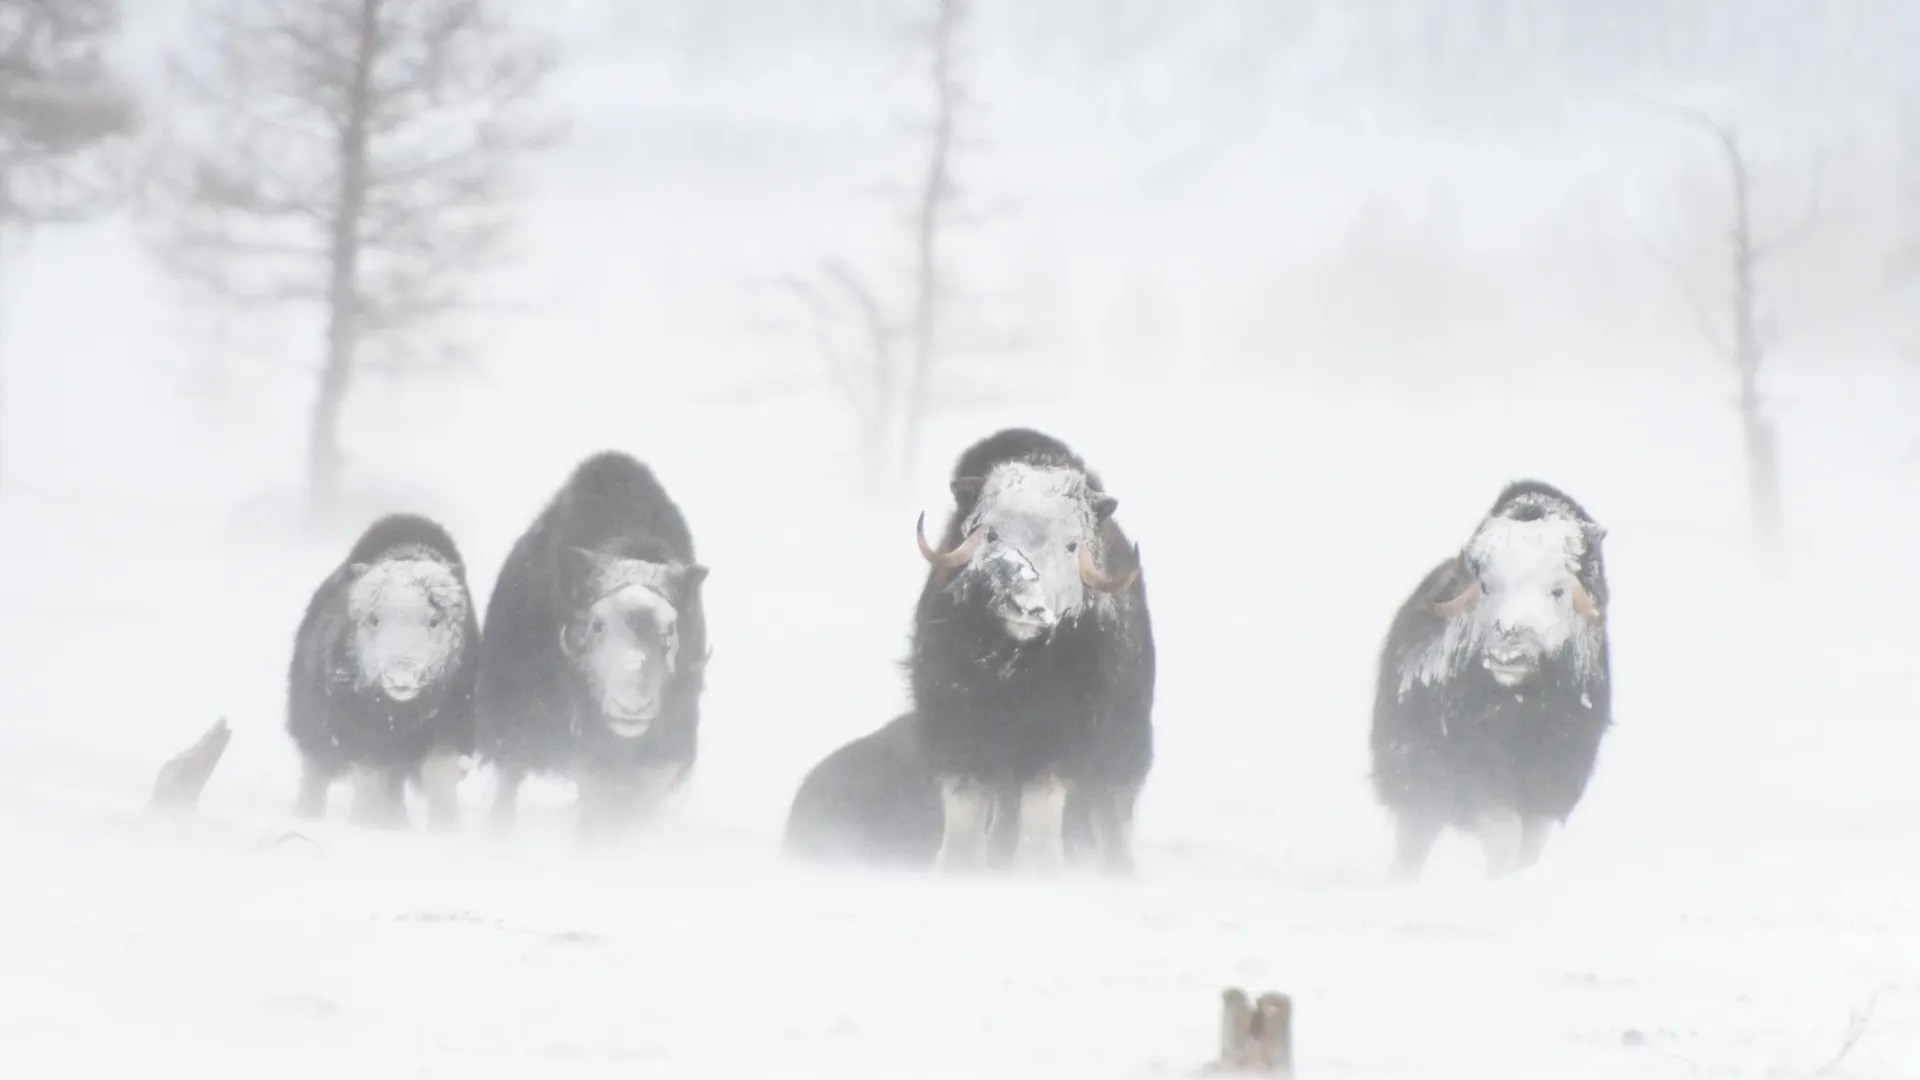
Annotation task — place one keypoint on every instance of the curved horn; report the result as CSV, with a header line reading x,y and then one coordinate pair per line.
x,y
1447,609
1097,579
952,560
1583,602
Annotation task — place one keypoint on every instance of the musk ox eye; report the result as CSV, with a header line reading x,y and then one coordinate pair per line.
x,y
598,626
993,536
1073,545
1559,592
433,620
373,621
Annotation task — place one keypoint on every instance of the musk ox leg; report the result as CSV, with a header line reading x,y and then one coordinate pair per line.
x,y
1413,840
1043,813
311,803
440,776
1535,830
611,804
379,798
968,807
1502,837
506,798
1110,818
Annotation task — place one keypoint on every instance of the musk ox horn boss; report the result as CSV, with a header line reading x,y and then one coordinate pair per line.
x,y
1494,685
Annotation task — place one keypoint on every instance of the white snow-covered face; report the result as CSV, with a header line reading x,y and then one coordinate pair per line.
x,y
1032,544
409,621
626,639
1526,597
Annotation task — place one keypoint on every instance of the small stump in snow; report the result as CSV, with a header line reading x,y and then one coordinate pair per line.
x,y
182,778
1256,1035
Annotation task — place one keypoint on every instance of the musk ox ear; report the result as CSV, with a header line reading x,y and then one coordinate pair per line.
x,y
966,489
1103,505
689,577
359,569
1595,531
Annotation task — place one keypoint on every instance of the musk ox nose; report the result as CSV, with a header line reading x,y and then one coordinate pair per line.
x,y
404,679
1033,609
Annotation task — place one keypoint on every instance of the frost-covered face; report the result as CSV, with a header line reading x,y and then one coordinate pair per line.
x,y
409,619
624,636
1523,593
1031,545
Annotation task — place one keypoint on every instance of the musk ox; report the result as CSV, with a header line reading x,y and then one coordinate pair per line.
x,y
876,802
1494,684
1032,658
594,653
382,679
872,801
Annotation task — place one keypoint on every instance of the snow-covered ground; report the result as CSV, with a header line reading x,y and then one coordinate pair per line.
x,y
1742,877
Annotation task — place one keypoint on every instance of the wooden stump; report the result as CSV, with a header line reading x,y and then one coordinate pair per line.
x,y
182,778
1256,1035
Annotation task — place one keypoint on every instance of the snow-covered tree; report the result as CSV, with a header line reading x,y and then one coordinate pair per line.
x,y
357,156
64,116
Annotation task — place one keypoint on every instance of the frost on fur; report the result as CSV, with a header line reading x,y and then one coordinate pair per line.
x,y
383,671
1524,602
409,616
1032,661
1494,684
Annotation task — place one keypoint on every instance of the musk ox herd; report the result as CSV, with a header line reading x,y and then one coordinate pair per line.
x,y
1030,671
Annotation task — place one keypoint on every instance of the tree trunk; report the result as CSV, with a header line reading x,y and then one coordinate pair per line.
x,y
1763,478
343,294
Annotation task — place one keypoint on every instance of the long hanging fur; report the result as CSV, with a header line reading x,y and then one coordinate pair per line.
x,y
337,725
1077,703
531,705
1449,743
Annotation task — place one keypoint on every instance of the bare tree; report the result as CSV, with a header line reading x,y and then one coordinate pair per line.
x,y
63,114
1738,331
885,350
357,156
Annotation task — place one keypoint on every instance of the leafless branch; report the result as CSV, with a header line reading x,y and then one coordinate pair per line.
x,y
358,154
1697,305
1798,231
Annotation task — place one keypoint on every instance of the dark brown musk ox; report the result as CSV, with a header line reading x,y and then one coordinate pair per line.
x,y
1031,667
382,678
594,655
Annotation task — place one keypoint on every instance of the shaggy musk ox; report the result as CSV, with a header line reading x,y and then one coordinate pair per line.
x,y
1032,658
1494,684
382,678
871,801
595,649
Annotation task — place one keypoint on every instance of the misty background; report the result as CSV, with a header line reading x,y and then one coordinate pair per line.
x,y
1367,199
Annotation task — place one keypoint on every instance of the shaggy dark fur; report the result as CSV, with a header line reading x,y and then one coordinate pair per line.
x,y
532,709
875,802
336,725
1446,753
871,801
1077,703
